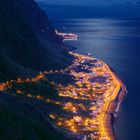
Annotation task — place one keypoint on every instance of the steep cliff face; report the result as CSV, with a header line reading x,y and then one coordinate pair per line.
x,y
28,44
28,41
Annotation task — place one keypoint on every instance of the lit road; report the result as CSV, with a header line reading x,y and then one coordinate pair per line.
x,y
85,106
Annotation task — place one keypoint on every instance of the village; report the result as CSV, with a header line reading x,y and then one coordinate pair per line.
x,y
84,105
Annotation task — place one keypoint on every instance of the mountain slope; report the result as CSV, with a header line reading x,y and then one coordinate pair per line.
x,y
28,42
21,120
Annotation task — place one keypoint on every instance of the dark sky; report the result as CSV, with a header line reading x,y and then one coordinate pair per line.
x,y
93,2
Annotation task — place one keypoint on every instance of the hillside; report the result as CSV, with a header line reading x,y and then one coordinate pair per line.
x,y
21,119
28,42
28,45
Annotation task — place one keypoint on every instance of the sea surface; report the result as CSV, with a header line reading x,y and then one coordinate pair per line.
x,y
117,42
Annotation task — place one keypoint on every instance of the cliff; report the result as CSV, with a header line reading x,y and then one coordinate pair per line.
x,y
28,42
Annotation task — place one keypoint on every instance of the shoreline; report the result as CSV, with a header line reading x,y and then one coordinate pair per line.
x,y
112,115
115,105
111,100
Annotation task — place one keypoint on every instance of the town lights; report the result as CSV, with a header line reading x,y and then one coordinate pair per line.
x,y
84,102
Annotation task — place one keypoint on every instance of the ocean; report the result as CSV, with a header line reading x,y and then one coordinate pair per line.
x,y
116,41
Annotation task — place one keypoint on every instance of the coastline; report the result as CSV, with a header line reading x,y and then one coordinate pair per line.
x,y
111,116
111,101
114,106
107,122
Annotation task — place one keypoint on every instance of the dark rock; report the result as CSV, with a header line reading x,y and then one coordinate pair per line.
x,y
28,41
